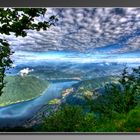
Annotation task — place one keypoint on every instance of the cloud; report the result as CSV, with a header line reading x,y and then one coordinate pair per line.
x,y
86,30
24,57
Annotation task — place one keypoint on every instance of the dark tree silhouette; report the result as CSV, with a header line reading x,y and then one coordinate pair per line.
x,y
18,21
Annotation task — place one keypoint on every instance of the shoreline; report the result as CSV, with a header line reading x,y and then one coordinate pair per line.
x,y
47,110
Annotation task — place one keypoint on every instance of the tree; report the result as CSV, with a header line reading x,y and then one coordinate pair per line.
x,y
18,21
68,119
120,97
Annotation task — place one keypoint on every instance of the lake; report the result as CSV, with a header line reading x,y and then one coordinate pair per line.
x,y
16,114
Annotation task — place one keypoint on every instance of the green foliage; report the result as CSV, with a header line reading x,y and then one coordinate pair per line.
x,y
89,123
20,89
114,100
68,119
111,124
120,122
93,83
119,97
132,123
131,88
5,61
18,21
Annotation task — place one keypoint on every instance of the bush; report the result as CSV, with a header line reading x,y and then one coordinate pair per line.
x,y
68,119
111,124
133,120
121,97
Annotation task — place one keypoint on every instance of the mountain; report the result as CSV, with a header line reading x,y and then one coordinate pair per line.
x,y
88,88
19,89
58,70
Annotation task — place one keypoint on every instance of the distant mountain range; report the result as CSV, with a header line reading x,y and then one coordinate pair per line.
x,y
48,70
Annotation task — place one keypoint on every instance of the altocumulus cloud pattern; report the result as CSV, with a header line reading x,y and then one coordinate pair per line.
x,y
94,30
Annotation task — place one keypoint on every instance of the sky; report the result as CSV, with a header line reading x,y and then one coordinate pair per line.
x,y
103,34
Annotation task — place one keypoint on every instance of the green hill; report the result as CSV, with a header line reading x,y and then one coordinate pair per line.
x,y
21,89
94,83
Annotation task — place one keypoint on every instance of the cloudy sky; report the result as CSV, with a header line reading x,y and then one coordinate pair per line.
x,y
106,33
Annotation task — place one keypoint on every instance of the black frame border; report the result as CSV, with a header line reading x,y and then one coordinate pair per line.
x,y
69,3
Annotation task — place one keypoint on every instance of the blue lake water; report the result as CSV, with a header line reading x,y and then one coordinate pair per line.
x,y
18,113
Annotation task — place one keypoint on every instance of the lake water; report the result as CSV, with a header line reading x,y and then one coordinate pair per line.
x,y
15,114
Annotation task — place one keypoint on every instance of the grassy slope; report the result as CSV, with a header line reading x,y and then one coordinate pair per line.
x,y
21,89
